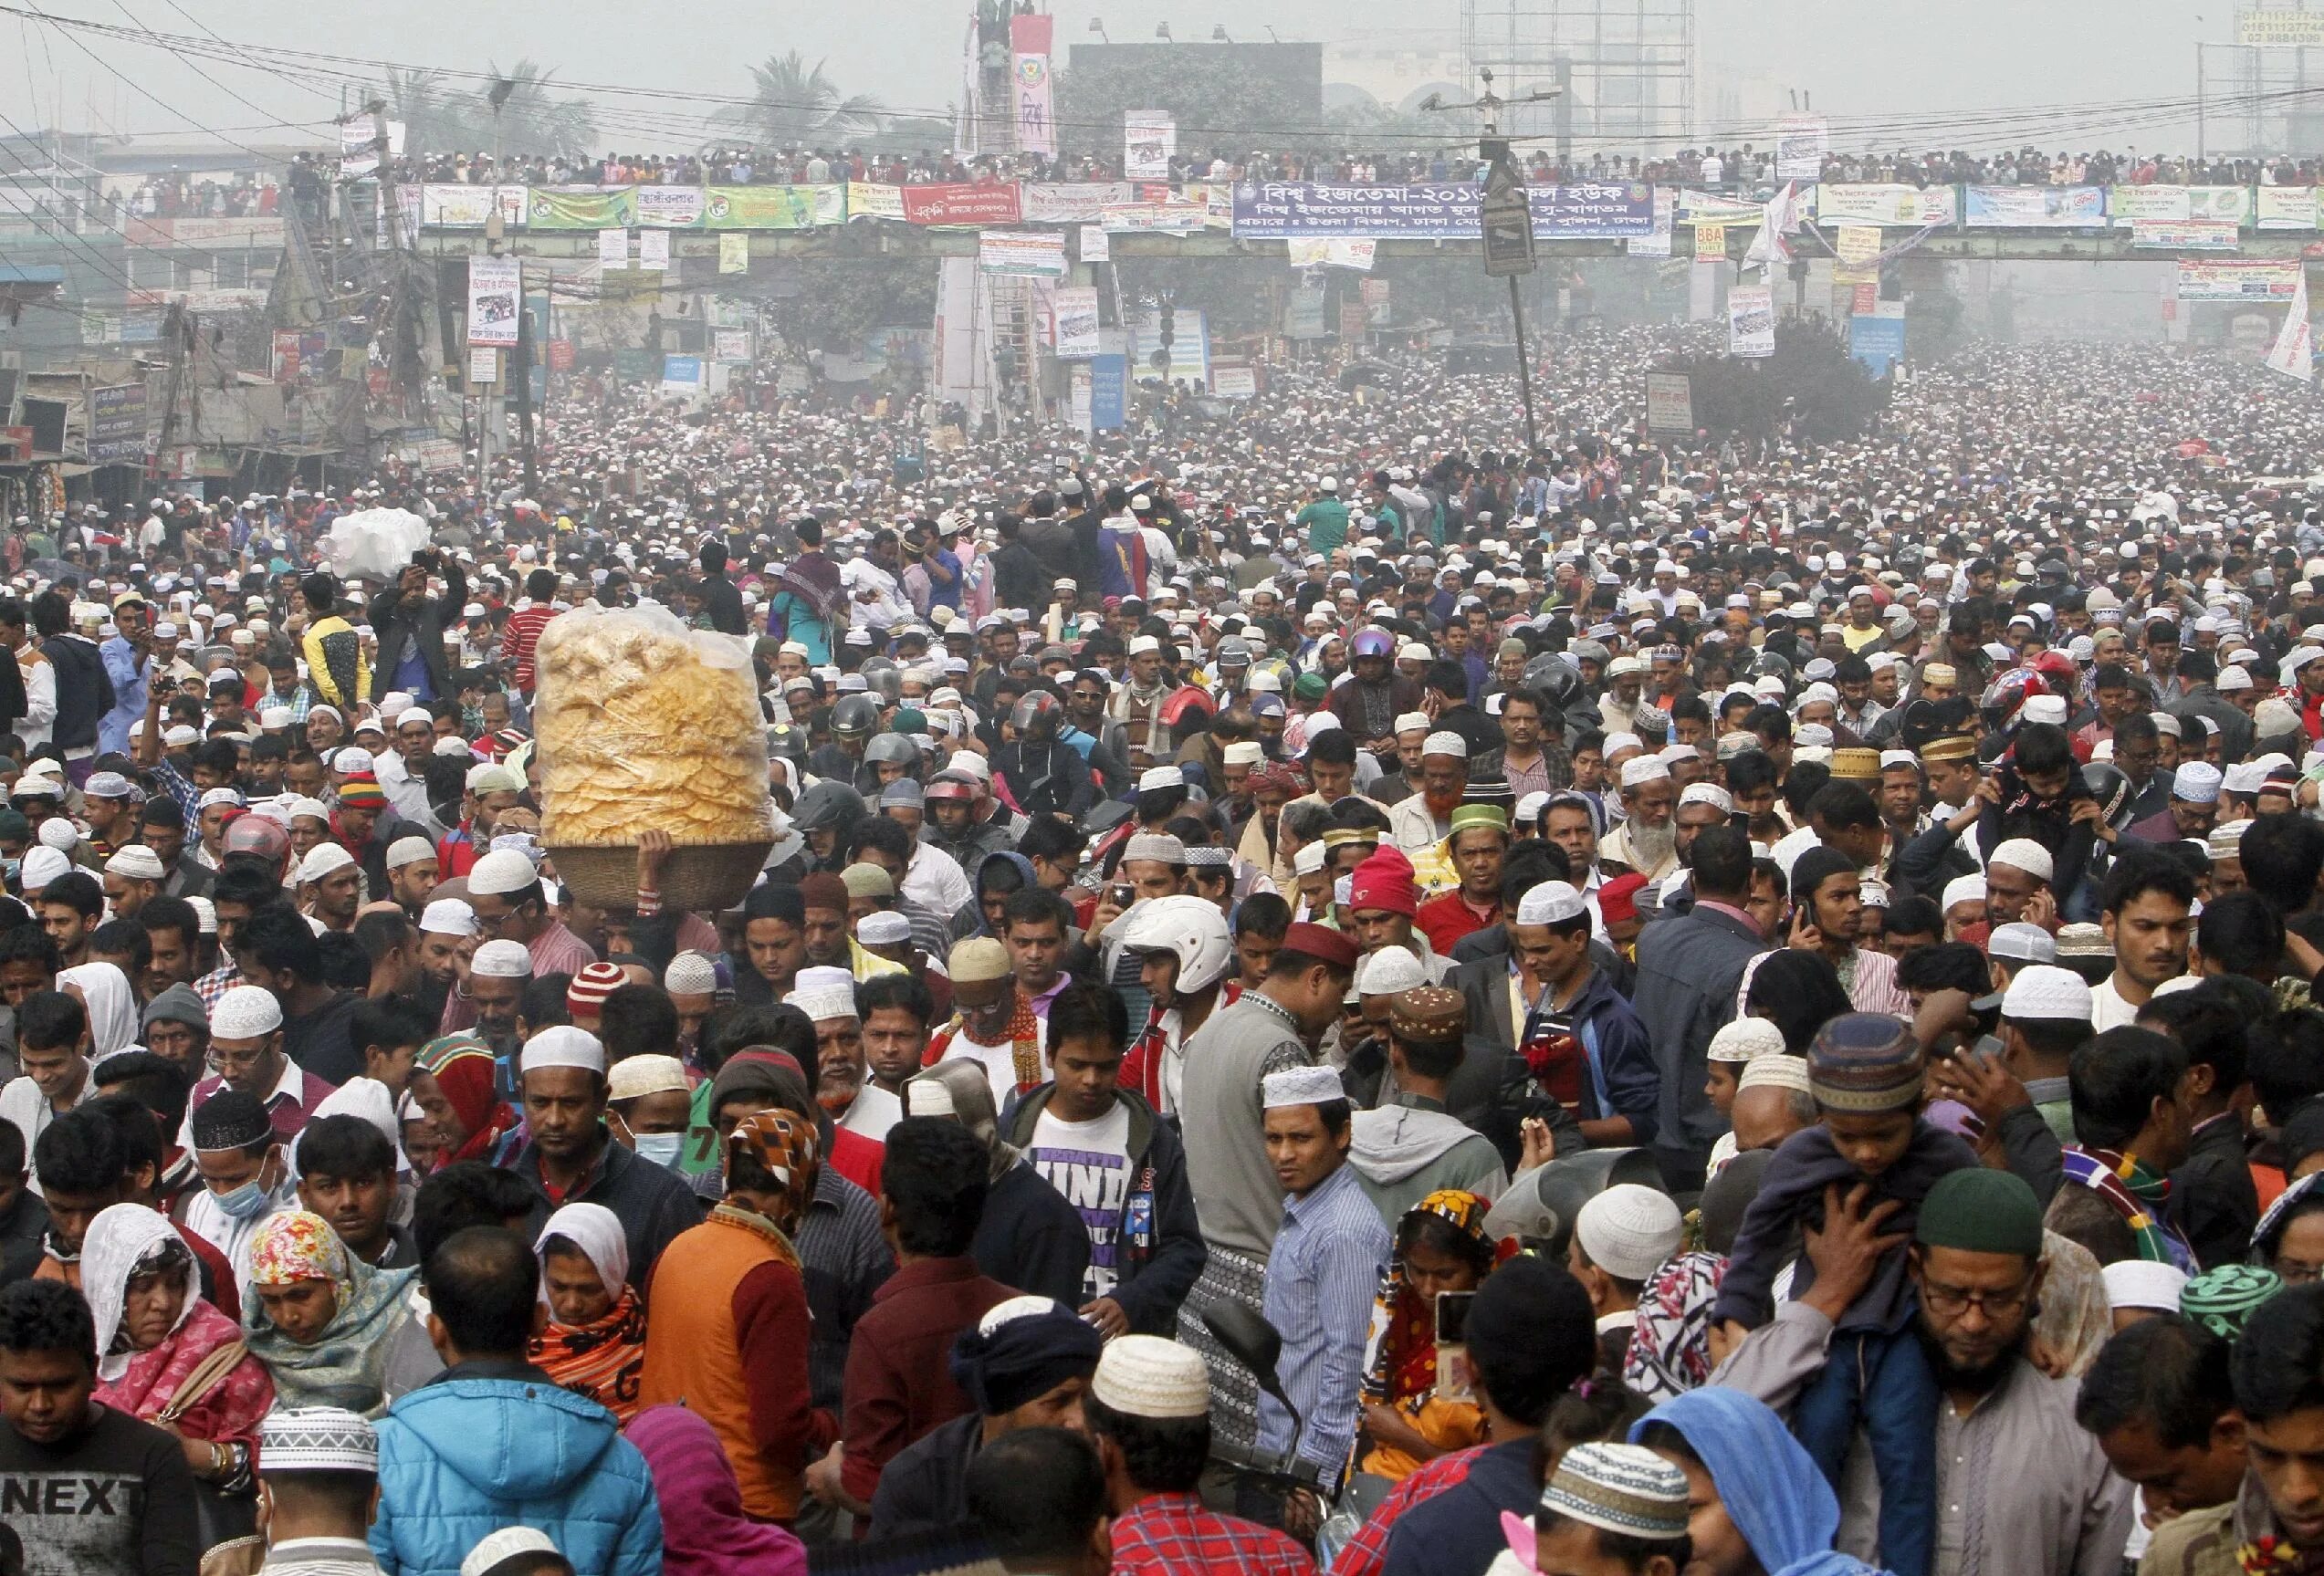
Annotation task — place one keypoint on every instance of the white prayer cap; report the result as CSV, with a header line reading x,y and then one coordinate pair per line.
x,y
2022,942
2046,709
1161,848
502,871
1962,889
823,993
691,974
928,1097
1630,1231
505,1545
135,862
1143,645
1243,753
353,758
1147,1376
501,959
245,1012
1775,1073
1153,779
1388,971
315,1439
2023,853
1442,743
1711,794
563,1046
450,916
1616,742
884,927
1301,1086
1550,902
1407,721
2197,782
2232,678
308,806
1889,758
2149,1285
1644,769
322,860
2044,992
1306,862
41,866
406,851
1746,1040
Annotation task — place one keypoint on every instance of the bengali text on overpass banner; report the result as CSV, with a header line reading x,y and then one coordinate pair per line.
x,y
1282,210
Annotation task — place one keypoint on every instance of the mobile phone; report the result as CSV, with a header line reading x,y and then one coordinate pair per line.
x,y
1454,1380
1453,1316
1123,896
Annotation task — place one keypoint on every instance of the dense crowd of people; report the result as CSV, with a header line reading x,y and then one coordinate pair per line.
x,y
1325,991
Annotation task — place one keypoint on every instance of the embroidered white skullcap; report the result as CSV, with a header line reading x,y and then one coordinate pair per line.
x,y
501,959
2197,782
1746,1040
2023,853
2044,992
315,1439
44,864
1444,742
302,805
1300,1086
1407,721
504,1545
884,927
1243,753
322,860
1712,794
1147,1376
1153,779
928,1097
1962,889
1644,769
1306,862
1550,902
501,872
823,993
635,1076
406,851
245,1012
563,1046
135,862
691,974
1630,1231
450,916
1159,847
1388,971
2022,942
1775,1073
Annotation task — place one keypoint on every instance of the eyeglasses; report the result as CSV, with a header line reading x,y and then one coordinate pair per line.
x,y
1951,1300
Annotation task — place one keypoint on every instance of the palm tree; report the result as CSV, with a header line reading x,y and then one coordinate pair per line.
x,y
798,106
529,122
424,102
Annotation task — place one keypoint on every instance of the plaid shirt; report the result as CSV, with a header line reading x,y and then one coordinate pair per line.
x,y
175,784
1365,1554
1172,1535
216,984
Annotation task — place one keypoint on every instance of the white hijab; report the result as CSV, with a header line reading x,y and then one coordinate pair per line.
x,y
597,1232
112,1006
119,1236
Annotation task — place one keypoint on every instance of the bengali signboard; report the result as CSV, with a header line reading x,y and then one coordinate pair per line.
x,y
669,207
117,426
866,200
2184,234
774,207
1331,252
2287,208
2037,207
1178,218
1030,38
2251,279
494,285
449,207
583,207
1075,330
1451,211
959,203
1022,253
1913,207
2126,205
1875,341
1149,138
1801,142
1669,402
1071,202
1304,312
1750,321
1710,208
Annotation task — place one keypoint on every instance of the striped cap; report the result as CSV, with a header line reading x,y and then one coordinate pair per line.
x,y
585,998
361,793
1624,1488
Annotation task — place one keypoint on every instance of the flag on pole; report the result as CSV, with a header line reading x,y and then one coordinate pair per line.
x,y
1778,219
2291,353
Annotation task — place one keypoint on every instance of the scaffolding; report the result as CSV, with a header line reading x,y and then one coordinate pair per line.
x,y
1625,70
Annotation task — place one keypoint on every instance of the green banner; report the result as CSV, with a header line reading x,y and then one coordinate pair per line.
x,y
773,207
635,366
583,208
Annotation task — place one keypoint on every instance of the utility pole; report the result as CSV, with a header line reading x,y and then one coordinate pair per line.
x,y
1507,223
521,370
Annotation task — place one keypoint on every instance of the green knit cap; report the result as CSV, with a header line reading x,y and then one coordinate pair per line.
x,y
1979,1210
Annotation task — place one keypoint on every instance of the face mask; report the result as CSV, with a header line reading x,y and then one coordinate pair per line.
x,y
661,1149
245,1203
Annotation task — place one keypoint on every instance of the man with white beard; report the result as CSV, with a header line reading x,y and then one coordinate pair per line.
x,y
1647,840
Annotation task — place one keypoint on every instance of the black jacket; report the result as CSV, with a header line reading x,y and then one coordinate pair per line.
x,y
722,604
84,689
926,1487
2212,1201
1030,1238
396,622
1158,1241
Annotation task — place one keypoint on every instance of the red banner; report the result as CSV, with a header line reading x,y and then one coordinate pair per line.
x,y
561,355
961,205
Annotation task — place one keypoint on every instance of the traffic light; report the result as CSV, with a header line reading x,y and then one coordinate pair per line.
x,y
1169,325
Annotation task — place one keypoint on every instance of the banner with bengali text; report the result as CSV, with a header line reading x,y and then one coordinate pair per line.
x,y
961,204
2185,234
2286,208
2252,279
1913,207
1069,203
1282,210
774,207
2037,207
449,207
583,208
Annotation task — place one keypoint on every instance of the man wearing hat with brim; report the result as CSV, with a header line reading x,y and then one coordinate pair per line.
x,y
1267,1029
1322,1271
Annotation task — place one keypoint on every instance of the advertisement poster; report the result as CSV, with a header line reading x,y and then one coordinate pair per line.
x,y
1669,402
733,253
1076,321
776,207
1450,211
2238,279
654,250
1074,203
1750,321
1029,47
1877,341
1912,206
483,364
2185,234
117,426
669,207
1801,142
494,285
1024,254
613,248
1095,247
961,203
583,207
1149,141
1109,394
2037,207
1859,244
1304,312
1656,243
730,344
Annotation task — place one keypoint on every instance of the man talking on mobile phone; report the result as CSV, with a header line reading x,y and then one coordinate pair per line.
x,y
410,626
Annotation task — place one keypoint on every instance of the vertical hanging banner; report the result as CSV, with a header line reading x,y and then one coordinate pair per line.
x,y
1801,143
734,252
1657,244
654,250
358,149
1702,290
494,285
2292,354
1095,247
1750,321
483,364
613,248
1076,323
1029,43
1149,141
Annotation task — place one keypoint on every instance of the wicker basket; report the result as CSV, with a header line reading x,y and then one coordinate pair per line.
x,y
708,877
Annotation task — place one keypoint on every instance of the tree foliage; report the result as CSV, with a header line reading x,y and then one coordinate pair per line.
x,y
441,115
1810,385
1222,100
795,105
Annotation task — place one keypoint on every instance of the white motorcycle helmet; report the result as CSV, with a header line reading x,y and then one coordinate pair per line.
x,y
1190,927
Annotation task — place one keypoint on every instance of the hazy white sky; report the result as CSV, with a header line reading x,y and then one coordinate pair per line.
x,y
1918,70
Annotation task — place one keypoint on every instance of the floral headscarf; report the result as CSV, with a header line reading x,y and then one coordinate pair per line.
x,y
1670,1353
343,1365
296,1246
1400,1352
785,1146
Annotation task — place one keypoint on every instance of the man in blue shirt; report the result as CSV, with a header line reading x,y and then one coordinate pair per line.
x,y
1321,1274
942,566
128,662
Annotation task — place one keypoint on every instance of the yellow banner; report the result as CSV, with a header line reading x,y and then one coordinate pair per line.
x,y
1859,244
1710,240
734,252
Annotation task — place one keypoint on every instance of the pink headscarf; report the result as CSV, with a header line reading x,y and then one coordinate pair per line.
x,y
704,1530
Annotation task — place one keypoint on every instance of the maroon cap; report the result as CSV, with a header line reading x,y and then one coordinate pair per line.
x,y
1322,943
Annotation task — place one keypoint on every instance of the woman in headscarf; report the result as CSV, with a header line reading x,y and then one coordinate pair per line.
x,y
2290,1237
454,1084
763,1076
704,1529
1798,991
730,1329
594,1343
1441,1246
1760,1508
322,1319
1670,1352
166,1356
104,990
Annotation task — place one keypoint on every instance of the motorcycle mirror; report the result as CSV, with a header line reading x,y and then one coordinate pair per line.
x,y
1250,1338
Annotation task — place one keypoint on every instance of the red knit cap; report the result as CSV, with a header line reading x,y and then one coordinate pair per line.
x,y
585,998
361,792
1384,881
